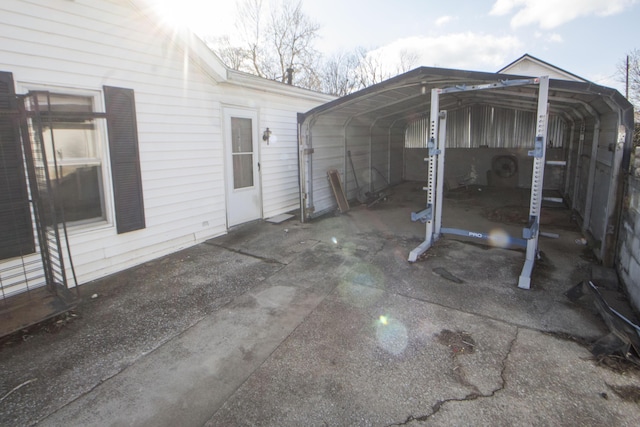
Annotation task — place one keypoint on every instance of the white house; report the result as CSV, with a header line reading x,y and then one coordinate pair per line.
x,y
528,65
136,138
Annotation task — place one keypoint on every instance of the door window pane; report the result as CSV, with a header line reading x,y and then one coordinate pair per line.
x,y
242,152
242,170
241,135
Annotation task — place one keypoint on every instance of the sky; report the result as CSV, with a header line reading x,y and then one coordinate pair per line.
x,y
588,38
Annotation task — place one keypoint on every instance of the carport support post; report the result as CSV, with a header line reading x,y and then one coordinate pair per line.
x,y
532,232
567,170
578,168
592,177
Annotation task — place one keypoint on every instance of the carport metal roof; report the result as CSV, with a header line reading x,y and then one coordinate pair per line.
x,y
400,99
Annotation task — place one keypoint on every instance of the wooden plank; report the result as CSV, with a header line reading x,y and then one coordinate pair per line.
x,y
338,190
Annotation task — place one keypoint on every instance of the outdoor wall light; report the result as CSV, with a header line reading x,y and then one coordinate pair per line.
x,y
266,135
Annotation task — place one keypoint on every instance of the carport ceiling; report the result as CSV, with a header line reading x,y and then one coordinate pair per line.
x,y
401,98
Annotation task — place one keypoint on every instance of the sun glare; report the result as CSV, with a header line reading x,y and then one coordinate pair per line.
x,y
200,16
173,13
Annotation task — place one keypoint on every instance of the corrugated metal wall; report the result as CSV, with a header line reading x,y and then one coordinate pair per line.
x,y
585,182
358,143
376,161
327,142
396,155
485,126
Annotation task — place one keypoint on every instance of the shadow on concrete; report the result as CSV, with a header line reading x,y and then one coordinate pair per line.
x,y
326,323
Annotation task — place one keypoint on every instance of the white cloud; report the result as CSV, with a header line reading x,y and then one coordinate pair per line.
x,y
443,20
556,38
550,14
548,37
469,51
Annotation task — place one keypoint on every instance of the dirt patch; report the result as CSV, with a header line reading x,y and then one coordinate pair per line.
x,y
617,364
49,326
459,342
588,255
519,215
443,272
509,214
629,393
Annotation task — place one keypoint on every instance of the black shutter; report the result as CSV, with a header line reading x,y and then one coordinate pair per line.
x,y
16,230
125,159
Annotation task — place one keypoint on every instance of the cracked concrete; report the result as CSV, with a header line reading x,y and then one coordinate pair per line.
x,y
324,324
471,396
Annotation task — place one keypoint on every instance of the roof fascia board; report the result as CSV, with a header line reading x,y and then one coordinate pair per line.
x,y
260,83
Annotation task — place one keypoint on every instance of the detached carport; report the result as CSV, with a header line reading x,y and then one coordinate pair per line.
x,y
383,132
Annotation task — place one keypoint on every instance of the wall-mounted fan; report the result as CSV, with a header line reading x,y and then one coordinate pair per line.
x,y
504,166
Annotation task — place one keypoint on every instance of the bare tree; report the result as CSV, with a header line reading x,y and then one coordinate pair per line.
x,y
234,57
346,72
631,75
407,60
291,35
370,69
273,44
339,73
278,44
249,22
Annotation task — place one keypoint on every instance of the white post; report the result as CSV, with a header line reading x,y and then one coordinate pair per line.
x,y
537,178
430,188
442,141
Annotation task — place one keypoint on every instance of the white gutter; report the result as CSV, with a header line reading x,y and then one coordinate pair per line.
x,y
239,78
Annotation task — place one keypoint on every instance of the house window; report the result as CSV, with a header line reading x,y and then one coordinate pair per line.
x,y
71,135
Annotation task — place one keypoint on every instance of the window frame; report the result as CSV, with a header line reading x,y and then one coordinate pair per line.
x,y
100,132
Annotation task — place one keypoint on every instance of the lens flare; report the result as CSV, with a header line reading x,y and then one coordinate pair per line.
x,y
499,238
361,285
392,335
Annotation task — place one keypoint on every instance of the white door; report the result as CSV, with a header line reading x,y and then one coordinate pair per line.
x,y
242,166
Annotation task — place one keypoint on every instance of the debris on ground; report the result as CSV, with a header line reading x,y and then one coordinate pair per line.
x,y
617,364
459,342
16,388
49,326
624,336
629,393
443,272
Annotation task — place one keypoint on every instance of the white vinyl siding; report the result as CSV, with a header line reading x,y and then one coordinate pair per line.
x,y
279,162
88,44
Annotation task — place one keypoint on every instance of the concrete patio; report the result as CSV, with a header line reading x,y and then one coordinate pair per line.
x,y
326,323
